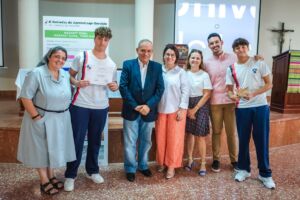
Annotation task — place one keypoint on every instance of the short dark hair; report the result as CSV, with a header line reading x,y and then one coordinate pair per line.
x,y
103,32
174,48
214,35
201,66
240,41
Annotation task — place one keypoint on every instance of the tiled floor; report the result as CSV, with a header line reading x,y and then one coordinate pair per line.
x,y
18,182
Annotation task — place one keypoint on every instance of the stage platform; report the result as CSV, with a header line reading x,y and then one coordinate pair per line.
x,y
285,130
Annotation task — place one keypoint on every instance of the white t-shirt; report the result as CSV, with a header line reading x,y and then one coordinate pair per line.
x,y
176,93
92,96
199,81
250,75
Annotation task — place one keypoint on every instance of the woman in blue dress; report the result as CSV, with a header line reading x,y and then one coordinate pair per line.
x,y
46,138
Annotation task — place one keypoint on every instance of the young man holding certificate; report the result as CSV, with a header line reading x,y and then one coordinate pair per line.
x,y
93,73
247,82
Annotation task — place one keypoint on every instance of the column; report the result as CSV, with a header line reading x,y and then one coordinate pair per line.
x,y
28,17
144,17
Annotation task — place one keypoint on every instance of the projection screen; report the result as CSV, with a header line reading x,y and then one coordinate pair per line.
x,y
196,19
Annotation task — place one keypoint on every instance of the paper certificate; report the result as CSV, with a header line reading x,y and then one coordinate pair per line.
x,y
99,75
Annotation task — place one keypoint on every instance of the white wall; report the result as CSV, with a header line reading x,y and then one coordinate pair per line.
x,y
7,83
10,45
272,13
121,14
121,21
164,21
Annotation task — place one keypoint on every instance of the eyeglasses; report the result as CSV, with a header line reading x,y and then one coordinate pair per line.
x,y
170,55
59,57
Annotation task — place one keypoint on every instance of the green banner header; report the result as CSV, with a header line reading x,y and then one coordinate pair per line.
x,y
69,34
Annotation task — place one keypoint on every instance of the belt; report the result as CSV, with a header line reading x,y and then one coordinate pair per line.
x,y
55,111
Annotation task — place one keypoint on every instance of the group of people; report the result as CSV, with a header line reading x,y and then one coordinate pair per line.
x,y
179,102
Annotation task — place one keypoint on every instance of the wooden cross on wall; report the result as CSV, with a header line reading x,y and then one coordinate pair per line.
x,y
281,32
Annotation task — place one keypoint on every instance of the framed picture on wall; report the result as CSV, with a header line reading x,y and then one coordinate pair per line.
x,y
183,54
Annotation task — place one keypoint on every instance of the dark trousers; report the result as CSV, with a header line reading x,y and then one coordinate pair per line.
x,y
257,120
90,122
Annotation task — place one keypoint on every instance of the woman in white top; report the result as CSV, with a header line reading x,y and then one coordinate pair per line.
x,y
197,125
170,125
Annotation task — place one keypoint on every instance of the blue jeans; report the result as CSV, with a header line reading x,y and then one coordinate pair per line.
x,y
134,131
90,122
257,121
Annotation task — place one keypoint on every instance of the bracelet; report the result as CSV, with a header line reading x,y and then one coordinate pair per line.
x,y
35,116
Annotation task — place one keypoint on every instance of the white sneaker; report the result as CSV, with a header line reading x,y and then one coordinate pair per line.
x,y
241,175
267,182
69,184
96,178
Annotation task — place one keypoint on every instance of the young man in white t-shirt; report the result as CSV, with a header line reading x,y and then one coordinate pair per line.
x,y
89,106
251,80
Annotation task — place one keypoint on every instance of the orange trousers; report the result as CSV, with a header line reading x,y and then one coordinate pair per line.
x,y
170,139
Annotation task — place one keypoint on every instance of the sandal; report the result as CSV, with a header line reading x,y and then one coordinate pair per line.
x,y
189,166
161,169
202,171
48,190
170,174
56,183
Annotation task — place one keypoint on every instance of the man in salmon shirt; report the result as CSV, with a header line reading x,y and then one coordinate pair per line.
x,y
222,107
